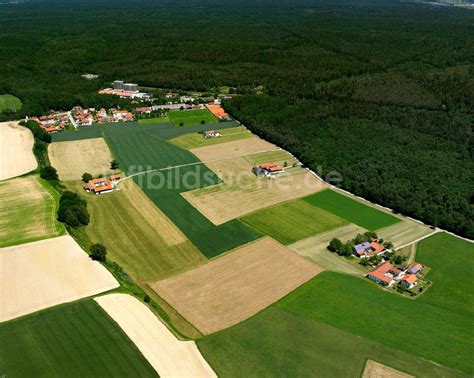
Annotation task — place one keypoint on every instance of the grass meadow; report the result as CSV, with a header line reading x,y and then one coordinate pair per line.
x,y
195,140
359,306
191,117
28,211
452,262
293,221
149,151
150,121
354,211
9,103
279,340
73,340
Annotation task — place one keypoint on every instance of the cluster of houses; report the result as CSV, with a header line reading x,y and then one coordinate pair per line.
x,y
126,90
52,123
101,185
87,117
386,274
268,169
155,108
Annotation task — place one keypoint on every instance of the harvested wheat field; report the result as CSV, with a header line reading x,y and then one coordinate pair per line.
x,y
233,149
169,356
47,273
242,192
375,370
72,159
404,232
236,286
28,211
16,150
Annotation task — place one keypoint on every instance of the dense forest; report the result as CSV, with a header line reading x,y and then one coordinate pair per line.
x,y
381,91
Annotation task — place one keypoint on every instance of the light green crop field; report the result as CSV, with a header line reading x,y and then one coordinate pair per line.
x,y
138,235
191,117
293,221
9,102
452,262
150,121
73,340
359,306
284,341
194,140
354,211
28,206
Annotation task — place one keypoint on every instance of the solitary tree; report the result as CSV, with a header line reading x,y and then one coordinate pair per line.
x,y
114,164
181,124
202,122
335,245
98,252
86,177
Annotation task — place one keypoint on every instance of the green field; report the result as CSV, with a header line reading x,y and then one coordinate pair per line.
x,y
452,262
354,211
359,306
137,236
282,342
28,211
144,151
293,221
149,121
9,103
73,340
194,140
191,117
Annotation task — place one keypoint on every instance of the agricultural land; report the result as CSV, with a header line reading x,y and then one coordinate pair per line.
x,y
29,206
77,339
373,370
242,192
9,103
169,356
16,149
137,234
72,159
47,273
236,286
340,315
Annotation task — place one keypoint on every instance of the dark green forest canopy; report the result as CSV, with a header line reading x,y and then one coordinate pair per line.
x,y
379,90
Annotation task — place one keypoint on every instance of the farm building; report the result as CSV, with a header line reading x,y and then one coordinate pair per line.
x,y
99,186
212,134
409,280
414,268
268,169
115,178
368,249
385,274
218,111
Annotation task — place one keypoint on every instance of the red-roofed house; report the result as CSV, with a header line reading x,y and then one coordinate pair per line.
x,y
409,280
212,134
414,268
385,274
99,186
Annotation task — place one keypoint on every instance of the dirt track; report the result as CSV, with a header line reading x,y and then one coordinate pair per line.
x,y
169,356
236,286
16,150
47,273
375,370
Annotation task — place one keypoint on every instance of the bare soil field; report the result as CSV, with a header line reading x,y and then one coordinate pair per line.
x,y
236,286
376,370
72,159
242,192
315,248
233,149
16,150
404,232
28,211
169,356
46,273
